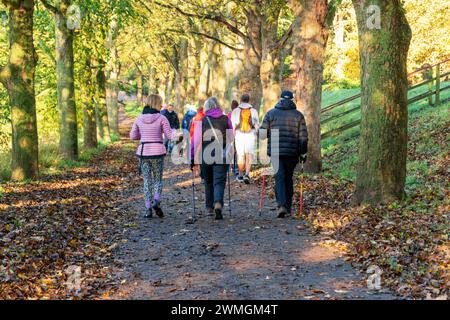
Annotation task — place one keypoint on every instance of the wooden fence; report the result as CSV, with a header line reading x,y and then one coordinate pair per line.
x,y
434,90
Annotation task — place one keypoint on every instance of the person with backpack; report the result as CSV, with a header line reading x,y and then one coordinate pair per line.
x,y
149,129
197,120
210,151
290,147
174,122
188,117
245,123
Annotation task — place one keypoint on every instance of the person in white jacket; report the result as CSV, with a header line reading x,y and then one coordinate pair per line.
x,y
245,121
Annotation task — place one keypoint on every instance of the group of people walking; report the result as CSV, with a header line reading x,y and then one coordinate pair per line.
x,y
217,140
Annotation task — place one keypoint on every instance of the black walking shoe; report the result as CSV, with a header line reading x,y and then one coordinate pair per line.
x,y
247,179
158,210
218,211
282,213
148,214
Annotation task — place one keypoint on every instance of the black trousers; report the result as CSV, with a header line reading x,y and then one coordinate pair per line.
x,y
284,182
215,177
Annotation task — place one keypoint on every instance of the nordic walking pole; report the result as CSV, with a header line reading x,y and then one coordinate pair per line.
x,y
193,193
229,192
300,210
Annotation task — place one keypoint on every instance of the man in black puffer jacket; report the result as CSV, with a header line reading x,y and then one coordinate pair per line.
x,y
174,122
291,146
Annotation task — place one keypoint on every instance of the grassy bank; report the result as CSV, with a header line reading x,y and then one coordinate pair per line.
x,y
408,240
50,161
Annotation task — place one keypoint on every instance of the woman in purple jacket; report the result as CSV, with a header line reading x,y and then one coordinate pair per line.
x,y
149,129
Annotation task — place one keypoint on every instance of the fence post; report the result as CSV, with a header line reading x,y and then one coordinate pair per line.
x,y
437,100
430,86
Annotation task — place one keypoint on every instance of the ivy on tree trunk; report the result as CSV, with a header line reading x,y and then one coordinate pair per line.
x,y
65,83
18,77
384,115
87,98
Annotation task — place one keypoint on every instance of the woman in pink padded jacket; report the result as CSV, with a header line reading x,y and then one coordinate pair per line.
x,y
149,129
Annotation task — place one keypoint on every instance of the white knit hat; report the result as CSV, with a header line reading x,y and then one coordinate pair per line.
x,y
191,107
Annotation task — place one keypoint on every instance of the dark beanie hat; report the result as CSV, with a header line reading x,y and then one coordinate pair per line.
x,y
286,94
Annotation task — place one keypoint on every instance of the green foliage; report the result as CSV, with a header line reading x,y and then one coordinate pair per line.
x,y
429,44
133,109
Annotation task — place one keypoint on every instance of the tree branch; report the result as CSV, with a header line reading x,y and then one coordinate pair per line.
x,y
217,40
145,6
49,6
46,50
282,41
209,16
208,36
332,8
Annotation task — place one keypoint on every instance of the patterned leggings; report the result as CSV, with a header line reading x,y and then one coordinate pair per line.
x,y
152,170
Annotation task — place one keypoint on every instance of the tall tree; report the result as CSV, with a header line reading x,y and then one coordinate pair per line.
x,y
18,78
88,101
139,84
313,19
247,24
112,78
272,54
384,39
64,32
101,111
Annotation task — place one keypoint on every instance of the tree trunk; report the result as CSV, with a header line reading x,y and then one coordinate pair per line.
x,y
152,81
112,82
18,78
204,74
232,68
339,37
384,114
250,80
68,140
270,61
101,112
87,98
170,85
180,75
218,76
140,86
310,37
193,69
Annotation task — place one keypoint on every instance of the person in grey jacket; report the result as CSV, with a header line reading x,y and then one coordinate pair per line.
x,y
290,147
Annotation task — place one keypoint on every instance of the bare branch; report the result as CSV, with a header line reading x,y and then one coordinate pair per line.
x,y
208,36
145,6
217,40
282,41
49,6
209,16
